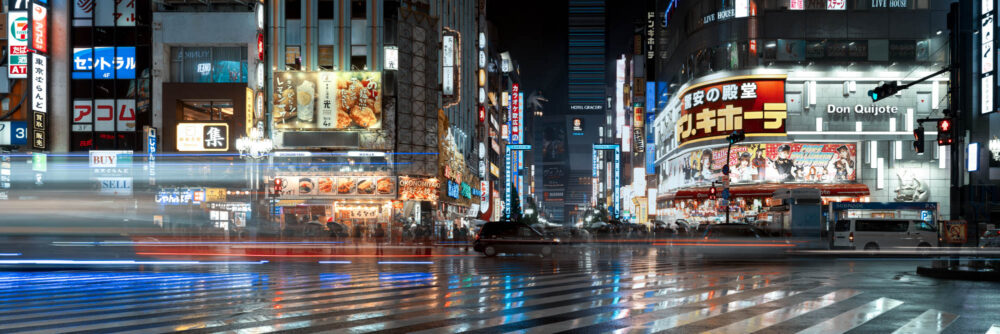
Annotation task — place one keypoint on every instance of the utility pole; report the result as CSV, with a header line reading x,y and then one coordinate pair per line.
x,y
735,137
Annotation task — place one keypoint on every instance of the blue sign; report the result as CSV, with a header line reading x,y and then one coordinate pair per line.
x,y
14,133
452,189
927,216
104,62
520,147
606,147
725,193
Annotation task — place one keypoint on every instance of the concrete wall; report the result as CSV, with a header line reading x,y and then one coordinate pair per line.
x,y
190,29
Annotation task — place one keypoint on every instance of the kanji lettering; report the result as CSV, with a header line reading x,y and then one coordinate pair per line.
x,y
697,98
749,90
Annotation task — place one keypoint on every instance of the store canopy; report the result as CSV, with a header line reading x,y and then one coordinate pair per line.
x,y
767,190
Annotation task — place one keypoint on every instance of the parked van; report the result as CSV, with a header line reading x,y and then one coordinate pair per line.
x,y
875,234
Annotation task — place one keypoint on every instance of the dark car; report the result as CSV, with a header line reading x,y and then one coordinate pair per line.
x,y
732,231
512,237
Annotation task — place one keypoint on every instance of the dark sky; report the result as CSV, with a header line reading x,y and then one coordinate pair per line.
x,y
535,33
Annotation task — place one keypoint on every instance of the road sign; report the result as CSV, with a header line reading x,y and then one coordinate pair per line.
x,y
725,193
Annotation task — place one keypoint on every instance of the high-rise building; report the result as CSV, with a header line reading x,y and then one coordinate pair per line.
x,y
586,56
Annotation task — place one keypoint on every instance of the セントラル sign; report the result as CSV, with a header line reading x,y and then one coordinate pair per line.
x,y
712,110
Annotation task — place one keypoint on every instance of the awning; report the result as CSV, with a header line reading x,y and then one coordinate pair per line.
x,y
767,190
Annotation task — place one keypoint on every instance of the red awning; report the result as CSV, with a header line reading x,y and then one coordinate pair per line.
x,y
767,190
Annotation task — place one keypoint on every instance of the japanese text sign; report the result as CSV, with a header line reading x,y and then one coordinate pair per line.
x,y
754,104
202,137
109,63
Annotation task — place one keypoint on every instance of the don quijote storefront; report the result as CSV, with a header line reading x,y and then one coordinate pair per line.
x,y
804,130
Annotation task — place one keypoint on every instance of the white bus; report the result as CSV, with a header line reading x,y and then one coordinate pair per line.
x,y
874,234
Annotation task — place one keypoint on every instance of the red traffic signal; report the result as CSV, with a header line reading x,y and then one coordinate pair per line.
x,y
278,183
712,193
944,128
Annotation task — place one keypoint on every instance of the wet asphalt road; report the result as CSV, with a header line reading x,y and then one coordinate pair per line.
x,y
586,290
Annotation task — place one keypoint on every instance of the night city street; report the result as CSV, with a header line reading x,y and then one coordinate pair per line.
x,y
488,166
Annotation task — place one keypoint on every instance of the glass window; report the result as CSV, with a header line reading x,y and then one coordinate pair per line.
x,y
325,57
358,9
325,9
293,9
214,110
208,64
924,226
292,57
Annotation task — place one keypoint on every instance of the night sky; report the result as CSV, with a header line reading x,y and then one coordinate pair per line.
x,y
535,33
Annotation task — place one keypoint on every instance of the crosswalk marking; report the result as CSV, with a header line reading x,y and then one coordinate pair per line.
x,y
931,321
614,293
853,318
772,318
995,329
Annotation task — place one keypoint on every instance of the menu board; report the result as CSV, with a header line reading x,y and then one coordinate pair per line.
x,y
305,101
336,186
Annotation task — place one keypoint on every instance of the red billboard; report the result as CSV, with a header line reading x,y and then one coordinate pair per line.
x,y
712,110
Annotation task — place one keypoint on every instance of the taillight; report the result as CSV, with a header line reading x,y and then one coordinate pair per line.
x,y
851,237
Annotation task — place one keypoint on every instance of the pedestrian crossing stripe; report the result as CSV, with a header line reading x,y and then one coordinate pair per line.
x,y
639,296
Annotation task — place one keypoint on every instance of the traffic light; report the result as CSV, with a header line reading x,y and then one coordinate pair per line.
x,y
883,91
712,192
278,186
736,137
944,129
918,140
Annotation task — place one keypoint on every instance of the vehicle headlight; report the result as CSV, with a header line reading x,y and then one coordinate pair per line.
x,y
555,240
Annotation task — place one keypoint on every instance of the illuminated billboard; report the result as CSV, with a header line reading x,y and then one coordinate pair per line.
x,y
312,101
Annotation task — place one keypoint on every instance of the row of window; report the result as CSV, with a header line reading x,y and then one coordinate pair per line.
x,y
707,12
751,54
325,9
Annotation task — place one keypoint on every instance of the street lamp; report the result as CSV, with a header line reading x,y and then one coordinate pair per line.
x,y
254,147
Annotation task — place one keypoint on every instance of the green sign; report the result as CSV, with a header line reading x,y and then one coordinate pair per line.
x,y
39,162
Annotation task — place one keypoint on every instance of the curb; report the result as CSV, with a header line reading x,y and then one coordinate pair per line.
x,y
967,275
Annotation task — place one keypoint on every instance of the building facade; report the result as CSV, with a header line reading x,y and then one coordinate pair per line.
x,y
795,78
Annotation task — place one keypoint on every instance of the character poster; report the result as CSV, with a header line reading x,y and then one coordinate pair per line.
x,y
772,162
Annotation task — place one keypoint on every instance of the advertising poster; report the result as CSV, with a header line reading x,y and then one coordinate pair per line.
x,y
771,162
327,100
713,110
554,143
577,126
418,189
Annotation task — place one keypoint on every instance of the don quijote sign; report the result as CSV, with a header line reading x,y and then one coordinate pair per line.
x,y
712,110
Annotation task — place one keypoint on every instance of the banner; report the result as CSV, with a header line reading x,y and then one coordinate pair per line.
x,y
713,110
771,162
336,186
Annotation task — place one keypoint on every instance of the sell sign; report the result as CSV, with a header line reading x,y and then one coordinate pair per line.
x,y
17,44
713,110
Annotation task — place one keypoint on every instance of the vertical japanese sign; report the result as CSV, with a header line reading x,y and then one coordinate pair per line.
x,y
39,85
987,54
515,115
754,104
39,28
327,90
17,44
448,64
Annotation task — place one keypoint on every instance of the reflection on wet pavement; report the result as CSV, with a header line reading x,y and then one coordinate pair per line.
x,y
589,291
